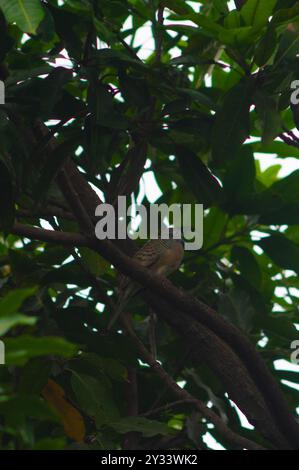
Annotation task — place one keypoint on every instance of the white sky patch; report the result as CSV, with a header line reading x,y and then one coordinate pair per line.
x,y
181,383
25,38
84,293
98,192
67,302
231,5
152,189
100,307
291,384
211,442
69,259
71,286
45,224
282,293
79,151
196,7
244,421
262,343
257,235
144,39
282,364
63,60
257,249
288,164
52,122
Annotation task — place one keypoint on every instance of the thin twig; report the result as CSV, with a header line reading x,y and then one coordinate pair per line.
x,y
289,141
74,201
168,406
182,301
236,440
159,33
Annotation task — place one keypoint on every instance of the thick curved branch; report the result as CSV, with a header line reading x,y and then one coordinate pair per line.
x,y
292,141
236,440
239,343
208,348
182,301
51,236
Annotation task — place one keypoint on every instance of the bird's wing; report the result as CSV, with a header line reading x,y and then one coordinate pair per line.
x,y
147,255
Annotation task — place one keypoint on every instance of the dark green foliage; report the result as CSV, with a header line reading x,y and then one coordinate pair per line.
x,y
193,104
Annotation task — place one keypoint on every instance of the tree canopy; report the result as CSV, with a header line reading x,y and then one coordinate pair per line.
x,y
165,101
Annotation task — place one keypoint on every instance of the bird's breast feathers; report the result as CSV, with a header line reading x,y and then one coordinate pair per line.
x,y
170,259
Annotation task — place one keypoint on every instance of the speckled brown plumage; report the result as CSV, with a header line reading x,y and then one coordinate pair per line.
x,y
161,256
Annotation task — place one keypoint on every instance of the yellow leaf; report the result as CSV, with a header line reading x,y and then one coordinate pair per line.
x,y
72,420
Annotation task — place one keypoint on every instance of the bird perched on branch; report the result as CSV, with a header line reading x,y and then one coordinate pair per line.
x,y
161,256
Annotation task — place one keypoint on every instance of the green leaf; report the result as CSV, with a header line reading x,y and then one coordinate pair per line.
x,y
147,427
27,14
51,167
213,28
24,74
288,45
202,182
281,149
285,15
95,397
18,407
178,6
236,307
248,265
14,299
238,183
257,12
285,189
214,226
198,97
7,208
269,176
232,20
9,321
231,127
48,443
267,110
95,263
284,252
22,348
103,31
266,46
97,367
278,325
278,204
35,375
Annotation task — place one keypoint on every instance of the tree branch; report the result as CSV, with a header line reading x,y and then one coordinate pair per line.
x,y
208,348
289,141
168,406
181,301
236,440
50,236
159,33
207,317
196,309
131,395
75,203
